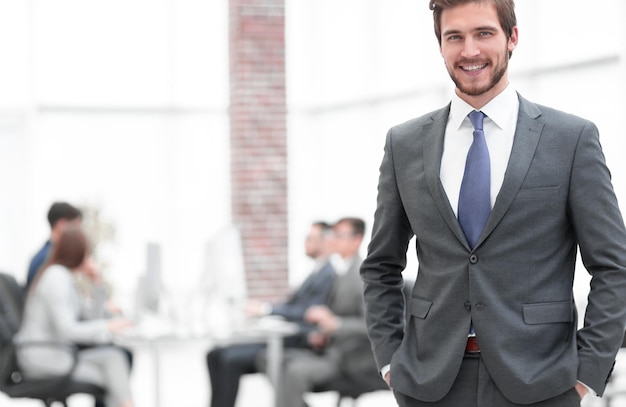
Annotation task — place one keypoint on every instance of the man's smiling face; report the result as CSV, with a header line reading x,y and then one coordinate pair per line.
x,y
476,50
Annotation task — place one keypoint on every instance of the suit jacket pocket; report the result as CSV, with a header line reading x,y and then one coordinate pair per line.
x,y
548,312
538,193
420,307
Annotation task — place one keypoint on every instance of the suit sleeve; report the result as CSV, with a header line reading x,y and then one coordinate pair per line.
x,y
293,313
314,291
381,271
601,236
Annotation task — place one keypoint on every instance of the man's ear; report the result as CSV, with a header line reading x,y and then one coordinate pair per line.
x,y
513,39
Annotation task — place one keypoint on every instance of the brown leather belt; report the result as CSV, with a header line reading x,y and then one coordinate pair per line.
x,y
472,345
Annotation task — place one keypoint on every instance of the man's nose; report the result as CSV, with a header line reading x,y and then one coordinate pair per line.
x,y
470,48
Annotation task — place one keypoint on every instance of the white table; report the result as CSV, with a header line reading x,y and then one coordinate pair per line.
x,y
270,330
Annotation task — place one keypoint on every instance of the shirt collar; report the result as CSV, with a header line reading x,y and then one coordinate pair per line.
x,y
340,264
497,109
320,262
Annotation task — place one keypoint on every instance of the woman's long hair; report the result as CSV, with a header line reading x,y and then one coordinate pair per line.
x,y
69,251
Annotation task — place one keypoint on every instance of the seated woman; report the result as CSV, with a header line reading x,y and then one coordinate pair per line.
x,y
53,313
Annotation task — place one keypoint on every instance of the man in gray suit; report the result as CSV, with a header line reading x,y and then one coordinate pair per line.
x,y
228,363
492,317
340,340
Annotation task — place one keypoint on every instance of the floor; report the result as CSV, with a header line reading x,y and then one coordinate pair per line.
x,y
184,382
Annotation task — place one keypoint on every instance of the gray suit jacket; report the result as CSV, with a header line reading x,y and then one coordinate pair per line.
x,y
346,301
516,285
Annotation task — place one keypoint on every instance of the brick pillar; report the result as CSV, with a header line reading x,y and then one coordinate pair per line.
x,y
258,142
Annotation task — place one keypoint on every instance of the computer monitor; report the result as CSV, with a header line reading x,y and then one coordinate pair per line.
x,y
223,284
149,286
224,274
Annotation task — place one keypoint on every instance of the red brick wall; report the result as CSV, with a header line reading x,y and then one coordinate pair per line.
x,y
258,142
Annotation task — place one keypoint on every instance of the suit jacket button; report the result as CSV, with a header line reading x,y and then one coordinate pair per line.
x,y
473,259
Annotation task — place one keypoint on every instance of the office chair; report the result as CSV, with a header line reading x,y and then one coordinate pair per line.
x,y
12,382
348,387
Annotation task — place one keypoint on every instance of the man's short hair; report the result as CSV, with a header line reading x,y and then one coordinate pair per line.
x,y
357,224
324,226
63,210
504,8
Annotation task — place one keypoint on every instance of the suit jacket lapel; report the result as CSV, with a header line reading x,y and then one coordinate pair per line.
x,y
525,143
526,139
434,133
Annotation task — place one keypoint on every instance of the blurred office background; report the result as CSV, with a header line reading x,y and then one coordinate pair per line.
x,y
171,122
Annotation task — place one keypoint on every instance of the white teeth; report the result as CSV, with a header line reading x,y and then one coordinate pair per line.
x,y
473,67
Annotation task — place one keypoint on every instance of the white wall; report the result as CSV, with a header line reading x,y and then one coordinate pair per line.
x,y
355,71
122,104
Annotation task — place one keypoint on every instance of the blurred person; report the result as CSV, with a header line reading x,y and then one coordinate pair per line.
x,y
94,291
315,288
227,364
52,313
60,216
94,295
339,344
497,225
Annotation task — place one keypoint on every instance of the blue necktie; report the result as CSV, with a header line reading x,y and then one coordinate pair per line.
x,y
475,195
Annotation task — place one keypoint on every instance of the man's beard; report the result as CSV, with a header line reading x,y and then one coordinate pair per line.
x,y
473,90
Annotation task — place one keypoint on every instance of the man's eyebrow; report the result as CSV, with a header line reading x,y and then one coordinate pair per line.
x,y
450,32
486,28
475,29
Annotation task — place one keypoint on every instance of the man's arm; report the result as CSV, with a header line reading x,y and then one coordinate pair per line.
x,y
334,325
381,271
601,235
315,290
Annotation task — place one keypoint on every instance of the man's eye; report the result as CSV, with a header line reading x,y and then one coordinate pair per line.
x,y
485,34
453,37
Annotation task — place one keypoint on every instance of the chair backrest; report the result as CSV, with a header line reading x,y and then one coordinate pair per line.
x,y
11,307
12,298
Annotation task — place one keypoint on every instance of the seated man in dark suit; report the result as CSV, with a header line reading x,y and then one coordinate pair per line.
x,y
227,364
341,348
60,216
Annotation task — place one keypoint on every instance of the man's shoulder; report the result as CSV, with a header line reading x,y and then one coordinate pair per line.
x,y
41,253
37,261
425,119
327,270
325,273
551,115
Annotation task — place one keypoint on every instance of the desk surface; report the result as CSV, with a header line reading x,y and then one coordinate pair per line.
x,y
155,335
153,329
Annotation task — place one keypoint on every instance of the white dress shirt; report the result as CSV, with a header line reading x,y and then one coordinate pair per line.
x,y
341,265
499,127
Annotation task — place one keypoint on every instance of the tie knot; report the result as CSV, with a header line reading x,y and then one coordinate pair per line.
x,y
476,117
